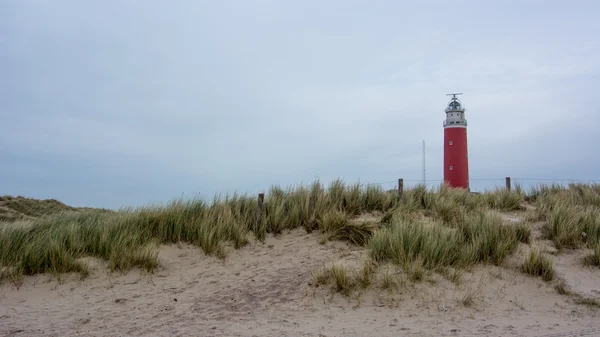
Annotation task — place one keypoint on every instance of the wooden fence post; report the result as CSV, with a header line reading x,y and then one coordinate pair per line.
x,y
259,206
508,183
312,208
400,188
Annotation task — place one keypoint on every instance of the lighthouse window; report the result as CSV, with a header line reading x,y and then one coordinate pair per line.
x,y
451,168
450,142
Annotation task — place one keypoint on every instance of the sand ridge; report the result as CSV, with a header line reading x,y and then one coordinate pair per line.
x,y
263,290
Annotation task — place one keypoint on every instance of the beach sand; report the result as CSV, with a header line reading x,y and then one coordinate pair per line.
x,y
265,290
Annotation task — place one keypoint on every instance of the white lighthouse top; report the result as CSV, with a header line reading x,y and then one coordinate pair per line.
x,y
455,113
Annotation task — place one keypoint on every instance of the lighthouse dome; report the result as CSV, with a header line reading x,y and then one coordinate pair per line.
x,y
454,105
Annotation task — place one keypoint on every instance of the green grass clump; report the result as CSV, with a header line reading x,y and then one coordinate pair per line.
x,y
335,225
285,210
572,213
49,256
364,276
321,277
523,232
416,271
503,199
333,220
488,239
537,264
54,244
405,241
375,198
571,226
450,205
124,258
480,237
389,280
355,233
448,211
342,279
540,191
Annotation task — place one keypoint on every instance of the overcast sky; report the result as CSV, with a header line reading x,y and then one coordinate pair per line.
x,y
113,103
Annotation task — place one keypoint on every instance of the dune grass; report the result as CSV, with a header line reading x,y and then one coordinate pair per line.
x,y
345,279
572,214
523,231
130,237
593,259
431,230
465,228
336,225
479,237
21,208
538,264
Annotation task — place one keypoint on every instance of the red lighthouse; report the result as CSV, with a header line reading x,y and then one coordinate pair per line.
x,y
456,161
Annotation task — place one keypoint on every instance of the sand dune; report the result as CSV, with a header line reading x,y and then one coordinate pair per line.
x,y
263,290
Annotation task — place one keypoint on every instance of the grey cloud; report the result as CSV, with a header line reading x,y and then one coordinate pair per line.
x,y
144,100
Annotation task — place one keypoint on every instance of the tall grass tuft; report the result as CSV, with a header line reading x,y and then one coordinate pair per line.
x,y
570,226
364,276
503,199
479,237
523,232
404,242
572,213
355,233
342,279
537,264
489,240
335,225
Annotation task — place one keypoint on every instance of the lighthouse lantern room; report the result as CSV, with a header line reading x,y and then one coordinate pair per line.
x,y
456,161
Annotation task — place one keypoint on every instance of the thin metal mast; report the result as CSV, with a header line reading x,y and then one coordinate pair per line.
x,y
424,179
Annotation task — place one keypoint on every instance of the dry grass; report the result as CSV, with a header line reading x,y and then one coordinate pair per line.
x,y
572,214
345,280
425,230
364,276
342,279
593,259
562,288
129,238
523,231
571,226
480,237
590,302
537,264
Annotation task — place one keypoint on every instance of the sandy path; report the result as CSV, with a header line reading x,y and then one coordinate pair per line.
x,y
262,290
